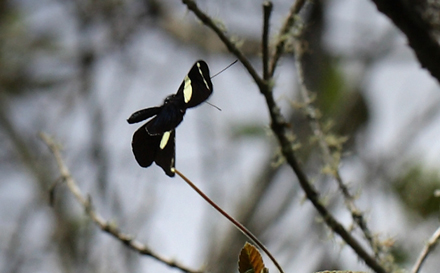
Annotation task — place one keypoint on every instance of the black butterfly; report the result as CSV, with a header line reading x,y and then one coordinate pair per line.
x,y
155,140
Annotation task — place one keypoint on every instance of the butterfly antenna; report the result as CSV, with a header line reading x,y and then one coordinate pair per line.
x,y
215,106
234,62
225,68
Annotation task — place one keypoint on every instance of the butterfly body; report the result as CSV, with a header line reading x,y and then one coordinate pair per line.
x,y
155,140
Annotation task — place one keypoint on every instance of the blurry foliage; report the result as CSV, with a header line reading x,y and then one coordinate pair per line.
x,y
430,12
342,112
238,131
18,51
332,88
416,188
400,255
347,109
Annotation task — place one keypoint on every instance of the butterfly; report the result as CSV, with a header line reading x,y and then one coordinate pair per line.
x,y
155,140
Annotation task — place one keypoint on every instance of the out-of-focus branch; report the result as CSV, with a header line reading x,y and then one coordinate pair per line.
x,y
429,247
407,19
103,224
279,128
356,214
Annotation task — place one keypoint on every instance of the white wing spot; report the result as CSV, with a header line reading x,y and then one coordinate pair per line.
x,y
200,71
164,140
187,89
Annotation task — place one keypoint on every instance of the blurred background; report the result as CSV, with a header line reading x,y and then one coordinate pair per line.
x,y
78,69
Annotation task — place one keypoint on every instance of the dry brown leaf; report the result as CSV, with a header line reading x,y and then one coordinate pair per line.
x,y
250,260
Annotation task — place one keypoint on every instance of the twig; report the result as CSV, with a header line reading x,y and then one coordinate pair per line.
x,y
267,10
429,247
288,24
356,214
104,225
239,226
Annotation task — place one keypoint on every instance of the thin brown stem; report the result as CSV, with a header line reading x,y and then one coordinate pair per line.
x,y
237,224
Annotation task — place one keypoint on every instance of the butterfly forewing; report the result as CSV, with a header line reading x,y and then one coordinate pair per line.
x,y
143,114
197,85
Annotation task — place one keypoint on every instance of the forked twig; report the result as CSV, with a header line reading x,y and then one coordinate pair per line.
x,y
103,224
285,29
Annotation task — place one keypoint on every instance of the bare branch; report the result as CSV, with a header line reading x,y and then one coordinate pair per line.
x,y
103,224
429,247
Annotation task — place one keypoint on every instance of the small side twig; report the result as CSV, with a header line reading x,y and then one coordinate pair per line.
x,y
281,41
267,10
104,225
428,248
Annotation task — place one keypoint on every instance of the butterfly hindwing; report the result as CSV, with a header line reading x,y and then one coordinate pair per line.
x,y
166,154
154,148
196,86
145,146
